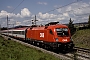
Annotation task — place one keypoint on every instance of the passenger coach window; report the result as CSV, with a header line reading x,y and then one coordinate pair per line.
x,y
62,31
23,32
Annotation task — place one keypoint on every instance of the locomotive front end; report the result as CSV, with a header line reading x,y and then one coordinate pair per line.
x,y
63,39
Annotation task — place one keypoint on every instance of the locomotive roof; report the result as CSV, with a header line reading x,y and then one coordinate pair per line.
x,y
40,28
57,26
52,23
50,26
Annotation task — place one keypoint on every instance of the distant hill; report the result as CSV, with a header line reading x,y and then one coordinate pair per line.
x,y
81,23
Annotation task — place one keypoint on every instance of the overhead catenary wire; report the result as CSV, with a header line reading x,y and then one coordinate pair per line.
x,y
17,6
74,10
62,6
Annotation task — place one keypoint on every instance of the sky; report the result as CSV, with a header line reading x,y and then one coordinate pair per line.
x,y
22,12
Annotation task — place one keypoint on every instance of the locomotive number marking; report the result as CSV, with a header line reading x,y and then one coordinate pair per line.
x,y
42,35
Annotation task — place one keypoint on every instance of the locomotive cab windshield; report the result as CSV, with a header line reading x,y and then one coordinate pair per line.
x,y
62,32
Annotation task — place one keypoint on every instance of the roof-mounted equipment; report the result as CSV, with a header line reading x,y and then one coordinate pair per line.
x,y
52,23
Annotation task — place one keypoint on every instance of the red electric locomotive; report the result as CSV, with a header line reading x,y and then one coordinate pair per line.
x,y
52,36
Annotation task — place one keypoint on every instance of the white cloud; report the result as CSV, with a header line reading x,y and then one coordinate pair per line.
x,y
46,15
43,16
73,7
14,17
25,12
66,14
18,15
52,17
3,14
69,8
42,3
25,21
18,23
73,11
9,7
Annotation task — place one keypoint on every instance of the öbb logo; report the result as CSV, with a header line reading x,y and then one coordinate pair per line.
x,y
42,35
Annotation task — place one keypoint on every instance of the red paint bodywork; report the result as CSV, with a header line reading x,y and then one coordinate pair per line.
x,y
36,32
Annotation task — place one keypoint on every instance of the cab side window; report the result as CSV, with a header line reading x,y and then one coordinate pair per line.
x,y
51,32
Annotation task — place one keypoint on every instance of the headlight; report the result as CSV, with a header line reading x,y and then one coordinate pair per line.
x,y
56,39
64,40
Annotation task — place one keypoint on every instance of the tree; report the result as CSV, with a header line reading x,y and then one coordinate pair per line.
x,y
89,22
71,27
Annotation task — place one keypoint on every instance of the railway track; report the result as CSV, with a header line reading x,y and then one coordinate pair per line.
x,y
77,54
82,53
82,49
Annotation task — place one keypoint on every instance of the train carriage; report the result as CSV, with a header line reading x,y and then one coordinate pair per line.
x,y
18,33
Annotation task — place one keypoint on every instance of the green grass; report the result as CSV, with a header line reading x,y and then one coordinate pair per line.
x,y
82,38
11,50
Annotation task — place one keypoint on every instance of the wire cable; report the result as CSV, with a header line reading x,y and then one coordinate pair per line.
x,y
74,10
63,6
17,6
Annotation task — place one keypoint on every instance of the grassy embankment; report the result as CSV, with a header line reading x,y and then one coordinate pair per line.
x,y
82,38
11,50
